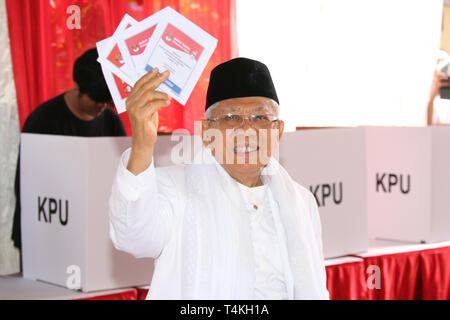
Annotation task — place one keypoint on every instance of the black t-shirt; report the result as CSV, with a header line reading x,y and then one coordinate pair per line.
x,y
55,117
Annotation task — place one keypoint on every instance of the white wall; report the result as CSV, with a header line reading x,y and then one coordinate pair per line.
x,y
346,62
9,140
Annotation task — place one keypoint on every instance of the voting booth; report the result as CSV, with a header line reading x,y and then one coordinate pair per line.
x,y
65,186
176,149
409,183
331,163
66,183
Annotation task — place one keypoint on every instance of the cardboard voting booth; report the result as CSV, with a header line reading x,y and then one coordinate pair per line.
x,y
65,186
66,183
331,163
409,183
176,149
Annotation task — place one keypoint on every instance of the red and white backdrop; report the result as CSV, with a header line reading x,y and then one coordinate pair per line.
x,y
43,48
37,54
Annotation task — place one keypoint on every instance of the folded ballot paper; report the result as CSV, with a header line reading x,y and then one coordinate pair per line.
x,y
166,40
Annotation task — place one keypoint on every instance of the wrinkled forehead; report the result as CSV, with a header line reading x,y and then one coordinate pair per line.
x,y
247,105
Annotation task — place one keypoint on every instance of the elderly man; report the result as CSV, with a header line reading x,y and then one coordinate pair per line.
x,y
231,225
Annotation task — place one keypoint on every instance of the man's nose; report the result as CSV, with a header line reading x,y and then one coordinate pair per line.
x,y
247,132
247,124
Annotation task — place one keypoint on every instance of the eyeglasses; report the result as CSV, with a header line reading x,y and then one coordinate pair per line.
x,y
232,121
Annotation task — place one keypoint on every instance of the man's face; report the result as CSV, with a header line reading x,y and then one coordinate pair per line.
x,y
244,133
91,107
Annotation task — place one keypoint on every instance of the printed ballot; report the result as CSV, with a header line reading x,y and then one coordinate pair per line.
x,y
119,89
177,53
167,41
110,56
181,47
108,51
133,41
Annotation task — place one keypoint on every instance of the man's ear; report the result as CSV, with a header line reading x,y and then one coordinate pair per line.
x,y
205,127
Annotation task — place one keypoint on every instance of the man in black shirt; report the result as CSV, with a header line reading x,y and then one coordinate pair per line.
x,y
82,111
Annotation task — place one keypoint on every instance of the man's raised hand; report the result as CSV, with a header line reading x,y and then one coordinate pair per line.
x,y
142,105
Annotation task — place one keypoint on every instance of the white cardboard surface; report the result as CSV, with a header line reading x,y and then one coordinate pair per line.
x,y
79,170
416,207
331,161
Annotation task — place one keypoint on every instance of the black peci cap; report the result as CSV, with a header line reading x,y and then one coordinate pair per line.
x,y
238,78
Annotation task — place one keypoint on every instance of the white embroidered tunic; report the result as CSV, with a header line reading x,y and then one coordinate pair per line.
x,y
151,216
270,281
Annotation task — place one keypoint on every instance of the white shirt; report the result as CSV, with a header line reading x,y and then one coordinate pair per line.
x,y
143,229
270,280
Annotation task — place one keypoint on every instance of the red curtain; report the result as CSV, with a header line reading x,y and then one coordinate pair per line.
x,y
43,49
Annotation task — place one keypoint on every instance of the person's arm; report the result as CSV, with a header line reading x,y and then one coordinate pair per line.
x,y
434,91
142,106
119,127
16,234
141,212
438,82
430,111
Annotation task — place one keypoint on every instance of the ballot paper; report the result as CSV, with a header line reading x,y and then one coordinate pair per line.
x,y
133,41
119,89
118,81
181,47
112,58
165,40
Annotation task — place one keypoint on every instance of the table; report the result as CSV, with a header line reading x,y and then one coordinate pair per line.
x,y
15,287
392,270
388,270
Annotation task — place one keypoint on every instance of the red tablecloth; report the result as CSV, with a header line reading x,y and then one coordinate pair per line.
x,y
344,281
125,295
435,273
423,274
142,293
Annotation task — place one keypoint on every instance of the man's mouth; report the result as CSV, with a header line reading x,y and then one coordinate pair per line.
x,y
245,149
